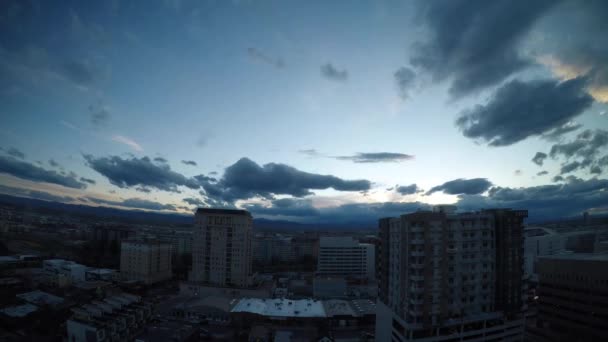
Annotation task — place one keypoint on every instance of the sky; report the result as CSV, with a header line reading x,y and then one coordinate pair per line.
x,y
310,111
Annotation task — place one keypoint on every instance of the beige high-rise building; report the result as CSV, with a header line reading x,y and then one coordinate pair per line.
x,y
447,276
146,260
221,249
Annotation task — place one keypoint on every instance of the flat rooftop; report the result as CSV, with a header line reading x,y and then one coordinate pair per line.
x,y
19,310
40,298
281,307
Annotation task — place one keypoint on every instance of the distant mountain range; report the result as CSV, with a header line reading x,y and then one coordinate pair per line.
x,y
150,217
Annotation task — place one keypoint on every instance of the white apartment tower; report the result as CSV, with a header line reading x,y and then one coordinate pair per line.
x,y
451,277
146,260
345,257
221,249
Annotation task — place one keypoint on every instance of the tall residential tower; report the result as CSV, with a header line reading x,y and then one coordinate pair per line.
x,y
445,276
221,248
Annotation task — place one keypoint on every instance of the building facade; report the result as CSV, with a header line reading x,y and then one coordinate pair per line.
x,y
540,241
117,318
222,251
445,276
146,260
345,257
572,298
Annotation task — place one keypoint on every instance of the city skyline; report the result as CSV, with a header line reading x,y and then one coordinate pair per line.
x,y
308,112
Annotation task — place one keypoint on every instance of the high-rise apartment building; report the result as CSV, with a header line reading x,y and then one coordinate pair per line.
x,y
346,257
572,298
146,260
444,276
221,249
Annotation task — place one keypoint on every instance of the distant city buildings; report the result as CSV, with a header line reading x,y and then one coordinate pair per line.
x,y
145,260
61,273
108,234
346,257
268,248
444,276
222,249
540,241
572,298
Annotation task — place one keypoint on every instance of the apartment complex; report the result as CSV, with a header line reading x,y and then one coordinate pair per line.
x,y
444,276
346,257
145,260
116,318
572,298
221,249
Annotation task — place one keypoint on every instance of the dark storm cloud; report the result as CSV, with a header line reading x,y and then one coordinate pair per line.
x,y
132,171
545,201
87,180
404,78
160,160
472,186
560,131
519,110
587,144
539,158
352,213
332,73
11,151
53,163
194,201
143,189
135,203
583,151
408,189
377,157
475,43
567,168
25,170
557,178
542,173
36,194
246,179
258,55
285,207
189,162
574,42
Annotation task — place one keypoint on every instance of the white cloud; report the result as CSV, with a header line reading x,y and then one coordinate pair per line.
x,y
128,141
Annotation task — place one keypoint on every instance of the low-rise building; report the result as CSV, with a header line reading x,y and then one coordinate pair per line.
x,y
116,318
346,257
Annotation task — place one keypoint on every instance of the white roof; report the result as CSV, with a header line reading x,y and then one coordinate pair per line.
x,y
281,307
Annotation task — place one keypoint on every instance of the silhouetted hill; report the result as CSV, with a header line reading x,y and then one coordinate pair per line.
x,y
141,216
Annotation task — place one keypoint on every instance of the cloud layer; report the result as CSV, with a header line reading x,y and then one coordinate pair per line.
x,y
475,43
519,110
28,171
460,186
377,157
131,172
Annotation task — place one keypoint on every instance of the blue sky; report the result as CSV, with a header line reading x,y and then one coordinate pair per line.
x,y
299,84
